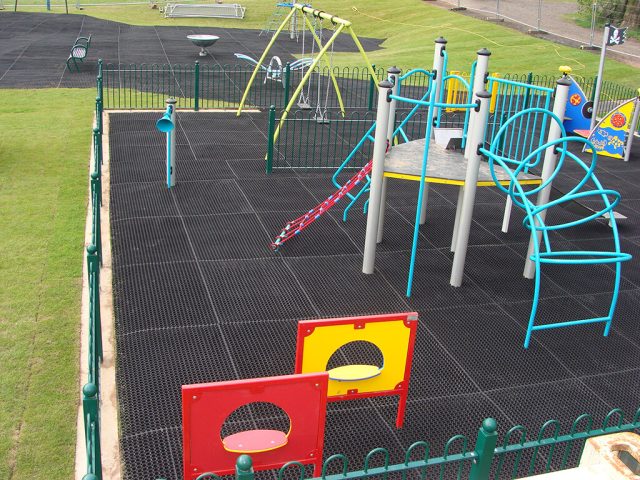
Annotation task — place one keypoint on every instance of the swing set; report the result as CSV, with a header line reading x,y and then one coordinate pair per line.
x,y
300,96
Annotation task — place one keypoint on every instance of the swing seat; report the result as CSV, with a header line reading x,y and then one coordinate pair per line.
x,y
354,373
255,441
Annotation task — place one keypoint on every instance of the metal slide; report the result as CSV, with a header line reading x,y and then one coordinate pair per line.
x,y
294,227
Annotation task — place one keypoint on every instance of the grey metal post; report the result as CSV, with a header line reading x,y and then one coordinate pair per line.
x,y
394,73
470,185
594,8
438,68
549,163
479,79
632,128
596,97
377,172
438,64
171,146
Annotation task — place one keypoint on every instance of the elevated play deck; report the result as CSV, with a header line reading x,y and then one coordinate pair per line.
x,y
444,166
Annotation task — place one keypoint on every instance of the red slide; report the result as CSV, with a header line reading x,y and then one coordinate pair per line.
x,y
294,227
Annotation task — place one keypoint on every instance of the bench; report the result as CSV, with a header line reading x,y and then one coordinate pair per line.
x,y
79,51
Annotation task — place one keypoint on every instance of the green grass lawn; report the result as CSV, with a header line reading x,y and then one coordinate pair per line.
x,y
409,27
44,152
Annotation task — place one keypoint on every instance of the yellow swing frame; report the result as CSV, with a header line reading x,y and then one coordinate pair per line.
x,y
342,25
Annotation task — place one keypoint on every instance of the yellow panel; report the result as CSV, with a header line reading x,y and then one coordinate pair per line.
x,y
392,338
459,183
351,373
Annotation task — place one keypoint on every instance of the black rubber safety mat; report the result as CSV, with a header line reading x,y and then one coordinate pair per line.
x,y
35,47
200,297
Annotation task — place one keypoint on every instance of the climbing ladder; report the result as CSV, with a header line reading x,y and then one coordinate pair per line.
x,y
278,15
294,227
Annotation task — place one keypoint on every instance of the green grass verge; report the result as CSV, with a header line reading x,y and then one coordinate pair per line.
x,y
44,151
409,27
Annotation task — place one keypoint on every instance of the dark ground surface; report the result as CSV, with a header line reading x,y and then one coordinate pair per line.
x,y
200,297
35,46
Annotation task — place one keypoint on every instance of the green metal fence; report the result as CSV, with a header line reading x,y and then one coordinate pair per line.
x,y
195,86
91,390
517,456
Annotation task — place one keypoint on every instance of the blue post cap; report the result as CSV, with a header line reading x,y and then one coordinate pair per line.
x,y
485,52
385,84
394,70
441,40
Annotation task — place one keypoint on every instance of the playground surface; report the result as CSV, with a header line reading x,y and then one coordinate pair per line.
x,y
39,44
200,296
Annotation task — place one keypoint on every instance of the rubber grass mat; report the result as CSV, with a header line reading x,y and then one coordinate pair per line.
x,y
34,47
200,297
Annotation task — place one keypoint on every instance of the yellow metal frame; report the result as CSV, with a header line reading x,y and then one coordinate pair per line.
x,y
391,337
342,25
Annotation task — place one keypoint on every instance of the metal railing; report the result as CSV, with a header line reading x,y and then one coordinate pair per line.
x,y
517,456
196,86
91,390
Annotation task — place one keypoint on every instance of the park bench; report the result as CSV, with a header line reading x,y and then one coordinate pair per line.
x,y
79,51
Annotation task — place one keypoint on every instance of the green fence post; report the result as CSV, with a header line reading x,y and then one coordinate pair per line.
x,y
244,468
99,78
271,132
287,83
527,93
196,87
97,151
372,87
99,114
593,88
93,269
484,451
90,411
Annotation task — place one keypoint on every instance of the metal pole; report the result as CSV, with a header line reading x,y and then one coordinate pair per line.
x,y
171,146
438,62
479,80
594,9
484,450
549,164
271,130
470,184
394,73
377,172
196,87
596,97
539,13
632,129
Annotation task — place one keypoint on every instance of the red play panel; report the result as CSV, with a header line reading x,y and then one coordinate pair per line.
x,y
206,407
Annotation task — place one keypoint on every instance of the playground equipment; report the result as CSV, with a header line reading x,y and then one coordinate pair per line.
x,y
393,335
280,12
206,407
542,250
205,10
166,124
319,16
203,41
408,159
613,135
275,69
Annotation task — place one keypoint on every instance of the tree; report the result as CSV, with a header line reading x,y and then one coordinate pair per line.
x,y
631,16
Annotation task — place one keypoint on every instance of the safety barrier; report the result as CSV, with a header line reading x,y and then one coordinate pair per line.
x,y
196,86
91,389
517,456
